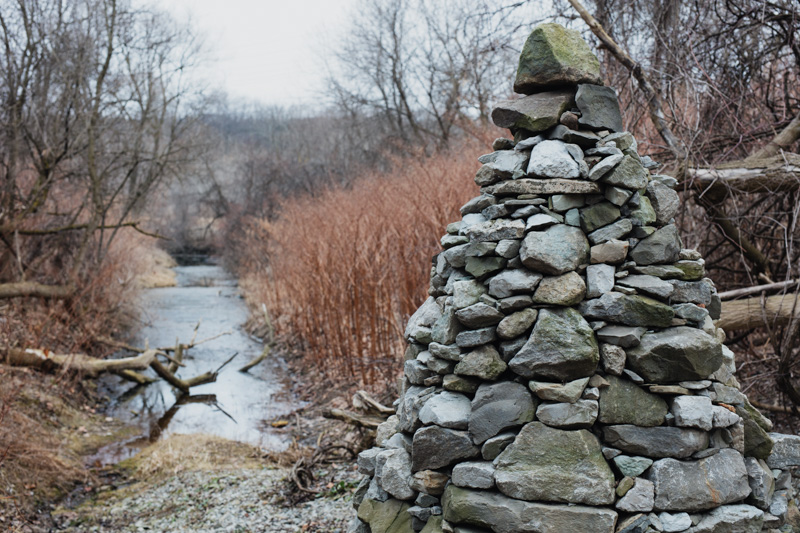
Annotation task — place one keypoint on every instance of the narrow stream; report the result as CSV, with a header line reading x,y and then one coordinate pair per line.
x,y
238,406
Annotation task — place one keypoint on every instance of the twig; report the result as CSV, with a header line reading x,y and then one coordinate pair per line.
x,y
747,291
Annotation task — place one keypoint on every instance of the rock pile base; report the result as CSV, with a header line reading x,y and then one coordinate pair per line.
x,y
565,374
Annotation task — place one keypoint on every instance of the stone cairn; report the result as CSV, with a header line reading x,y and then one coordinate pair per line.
x,y
565,375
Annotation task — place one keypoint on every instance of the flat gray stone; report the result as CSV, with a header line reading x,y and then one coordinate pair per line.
x,y
417,372
566,289
512,282
436,447
693,412
664,200
393,468
578,415
475,337
474,475
732,519
564,202
615,231
785,451
483,267
562,346
547,464
639,499
658,441
539,222
675,522
699,485
508,248
631,310
447,327
624,336
537,112
496,230
648,285
542,186
611,252
616,195
723,418
464,384
624,402
557,250
494,446
451,352
691,312
497,407
556,392
663,246
599,107
696,292
448,409
604,166
501,165
478,204
629,174
500,514
479,315
550,159
599,280
762,482
675,354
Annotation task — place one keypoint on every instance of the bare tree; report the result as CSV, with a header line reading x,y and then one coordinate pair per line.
x,y
97,109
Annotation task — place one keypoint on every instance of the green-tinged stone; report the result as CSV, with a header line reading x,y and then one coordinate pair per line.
x,y
757,442
548,464
500,514
561,347
692,270
675,354
629,173
534,113
456,383
554,56
598,215
434,525
624,402
483,362
631,310
632,466
483,267
645,213
624,486
390,516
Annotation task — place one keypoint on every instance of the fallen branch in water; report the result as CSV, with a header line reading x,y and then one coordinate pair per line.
x,y
46,360
270,339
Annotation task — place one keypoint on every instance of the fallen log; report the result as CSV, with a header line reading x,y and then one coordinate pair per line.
x,y
354,419
364,402
45,360
30,289
750,313
778,173
747,291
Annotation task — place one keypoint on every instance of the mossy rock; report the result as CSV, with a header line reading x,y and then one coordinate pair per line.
x,y
554,56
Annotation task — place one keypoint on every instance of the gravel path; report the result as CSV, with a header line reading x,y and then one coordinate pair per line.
x,y
204,502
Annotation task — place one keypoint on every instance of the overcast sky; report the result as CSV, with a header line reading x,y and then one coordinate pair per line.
x,y
265,50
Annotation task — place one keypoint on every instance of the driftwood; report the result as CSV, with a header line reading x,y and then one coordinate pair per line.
x,y
750,313
45,360
747,291
354,419
364,402
28,289
777,173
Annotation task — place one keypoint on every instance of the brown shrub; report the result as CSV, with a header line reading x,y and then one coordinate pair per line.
x,y
343,270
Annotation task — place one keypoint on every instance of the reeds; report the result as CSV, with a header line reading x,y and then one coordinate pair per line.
x,y
341,271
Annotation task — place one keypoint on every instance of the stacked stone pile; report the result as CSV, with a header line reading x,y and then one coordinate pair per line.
x,y
565,374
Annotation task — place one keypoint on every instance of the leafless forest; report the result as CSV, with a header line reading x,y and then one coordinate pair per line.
x,y
329,215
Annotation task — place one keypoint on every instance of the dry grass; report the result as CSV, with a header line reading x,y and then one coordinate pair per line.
x,y
190,453
340,272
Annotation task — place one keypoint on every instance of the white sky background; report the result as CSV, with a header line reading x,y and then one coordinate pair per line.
x,y
267,51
